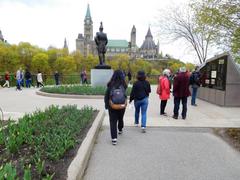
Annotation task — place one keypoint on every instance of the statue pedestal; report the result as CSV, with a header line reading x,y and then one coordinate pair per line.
x,y
100,77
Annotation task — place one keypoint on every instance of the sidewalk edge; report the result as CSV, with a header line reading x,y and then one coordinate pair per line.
x,y
80,162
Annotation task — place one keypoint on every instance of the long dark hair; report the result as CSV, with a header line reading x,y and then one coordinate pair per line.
x,y
117,79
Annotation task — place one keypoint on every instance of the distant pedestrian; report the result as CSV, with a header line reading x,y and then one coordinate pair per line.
x,y
28,78
7,78
140,93
163,90
84,77
22,77
181,92
195,84
18,80
115,101
56,77
39,79
129,75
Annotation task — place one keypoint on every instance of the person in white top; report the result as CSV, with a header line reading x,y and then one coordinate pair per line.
x,y
18,79
39,79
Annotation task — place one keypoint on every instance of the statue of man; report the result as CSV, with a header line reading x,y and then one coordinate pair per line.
x,y
101,42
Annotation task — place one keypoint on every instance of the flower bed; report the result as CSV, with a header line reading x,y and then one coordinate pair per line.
x,y
77,90
41,145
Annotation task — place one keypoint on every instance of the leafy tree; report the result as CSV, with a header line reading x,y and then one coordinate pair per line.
x,y
52,57
9,60
223,17
180,23
65,65
26,52
78,58
40,63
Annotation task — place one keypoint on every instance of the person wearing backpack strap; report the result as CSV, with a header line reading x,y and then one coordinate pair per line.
x,y
115,102
195,83
140,93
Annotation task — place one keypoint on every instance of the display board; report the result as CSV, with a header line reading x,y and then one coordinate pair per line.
x,y
213,74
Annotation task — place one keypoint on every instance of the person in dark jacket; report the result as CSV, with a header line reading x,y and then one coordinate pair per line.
x,y
195,83
181,92
140,93
115,115
28,78
56,77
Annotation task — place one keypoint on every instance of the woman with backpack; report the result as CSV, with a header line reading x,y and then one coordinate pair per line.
x,y
140,92
115,101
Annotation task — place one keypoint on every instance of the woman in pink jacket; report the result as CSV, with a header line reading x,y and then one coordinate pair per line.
x,y
163,90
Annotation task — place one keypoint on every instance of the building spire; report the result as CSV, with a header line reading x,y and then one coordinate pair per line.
x,y
149,34
65,44
88,14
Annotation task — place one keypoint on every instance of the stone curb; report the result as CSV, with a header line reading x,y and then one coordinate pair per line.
x,y
69,95
80,162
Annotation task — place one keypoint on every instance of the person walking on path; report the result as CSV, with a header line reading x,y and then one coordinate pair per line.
x,y
140,93
18,80
163,90
115,87
39,79
28,78
56,77
195,83
7,78
181,92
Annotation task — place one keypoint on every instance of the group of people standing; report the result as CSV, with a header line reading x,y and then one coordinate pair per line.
x,y
140,94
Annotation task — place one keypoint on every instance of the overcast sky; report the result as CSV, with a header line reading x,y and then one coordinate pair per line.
x,y
48,22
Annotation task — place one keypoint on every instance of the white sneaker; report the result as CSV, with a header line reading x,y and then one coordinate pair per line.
x,y
143,129
136,125
114,141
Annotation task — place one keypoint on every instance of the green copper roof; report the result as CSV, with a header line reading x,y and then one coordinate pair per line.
x,y
117,43
88,14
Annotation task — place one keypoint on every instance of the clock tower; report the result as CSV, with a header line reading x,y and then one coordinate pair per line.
x,y
88,26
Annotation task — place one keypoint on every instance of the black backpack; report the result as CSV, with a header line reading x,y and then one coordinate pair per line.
x,y
118,98
118,95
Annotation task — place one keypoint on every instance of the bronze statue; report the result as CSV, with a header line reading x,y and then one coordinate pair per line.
x,y
101,42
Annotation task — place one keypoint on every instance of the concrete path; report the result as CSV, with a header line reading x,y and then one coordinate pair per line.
x,y
163,154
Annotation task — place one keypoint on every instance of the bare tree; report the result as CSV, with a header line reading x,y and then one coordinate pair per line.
x,y
178,23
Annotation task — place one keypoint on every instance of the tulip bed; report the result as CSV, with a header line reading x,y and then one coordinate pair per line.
x,y
42,144
77,89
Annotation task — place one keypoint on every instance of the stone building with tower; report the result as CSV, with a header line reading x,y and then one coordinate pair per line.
x,y
84,42
86,45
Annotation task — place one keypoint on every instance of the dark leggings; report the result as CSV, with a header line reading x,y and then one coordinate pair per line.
x,y
114,117
163,106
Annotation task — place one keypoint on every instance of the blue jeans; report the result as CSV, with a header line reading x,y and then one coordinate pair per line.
x,y
141,104
194,95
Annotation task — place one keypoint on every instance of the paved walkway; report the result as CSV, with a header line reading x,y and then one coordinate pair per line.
x,y
163,154
166,151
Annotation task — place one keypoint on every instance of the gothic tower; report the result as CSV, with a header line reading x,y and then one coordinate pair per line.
x,y
88,26
133,49
133,37
65,44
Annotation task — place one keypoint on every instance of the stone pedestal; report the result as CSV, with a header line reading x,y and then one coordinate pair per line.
x,y
100,77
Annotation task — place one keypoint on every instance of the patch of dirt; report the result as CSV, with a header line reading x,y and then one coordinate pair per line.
x,y
229,135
